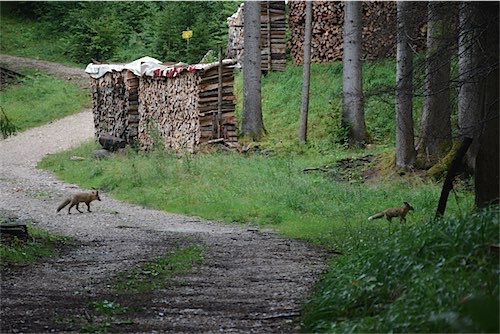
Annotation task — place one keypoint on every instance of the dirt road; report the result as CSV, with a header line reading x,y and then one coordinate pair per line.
x,y
250,281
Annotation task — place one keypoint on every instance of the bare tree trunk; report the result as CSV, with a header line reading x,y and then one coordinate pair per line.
x,y
469,109
353,113
252,126
304,110
435,136
487,161
405,144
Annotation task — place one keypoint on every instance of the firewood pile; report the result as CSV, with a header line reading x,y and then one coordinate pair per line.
x,y
115,104
168,112
179,109
272,38
217,119
273,35
378,34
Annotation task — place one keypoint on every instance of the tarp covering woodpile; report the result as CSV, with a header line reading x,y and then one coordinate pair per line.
x,y
181,105
378,34
272,38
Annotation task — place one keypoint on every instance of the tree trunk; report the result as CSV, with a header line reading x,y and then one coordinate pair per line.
x,y
405,144
487,161
435,136
469,109
353,114
304,110
252,126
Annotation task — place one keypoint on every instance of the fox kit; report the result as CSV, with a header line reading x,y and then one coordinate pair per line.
x,y
393,212
85,197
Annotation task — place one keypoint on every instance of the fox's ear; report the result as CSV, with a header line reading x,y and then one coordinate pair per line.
x,y
406,203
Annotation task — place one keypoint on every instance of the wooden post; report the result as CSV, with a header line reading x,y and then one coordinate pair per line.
x,y
219,97
269,58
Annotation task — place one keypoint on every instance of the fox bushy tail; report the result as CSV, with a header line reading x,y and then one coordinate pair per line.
x,y
376,216
63,204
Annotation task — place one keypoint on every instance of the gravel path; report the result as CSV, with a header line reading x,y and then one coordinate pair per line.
x,y
250,280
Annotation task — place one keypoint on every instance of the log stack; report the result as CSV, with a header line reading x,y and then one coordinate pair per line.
x,y
115,104
167,112
378,34
217,120
272,40
188,110
178,107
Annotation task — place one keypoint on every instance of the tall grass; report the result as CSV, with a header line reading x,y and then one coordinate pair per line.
x,y
434,278
40,99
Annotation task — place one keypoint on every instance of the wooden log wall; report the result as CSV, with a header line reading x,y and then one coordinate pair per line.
x,y
217,121
115,104
379,30
272,40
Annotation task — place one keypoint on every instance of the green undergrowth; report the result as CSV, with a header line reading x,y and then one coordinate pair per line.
x,y
30,38
437,277
268,190
281,101
40,99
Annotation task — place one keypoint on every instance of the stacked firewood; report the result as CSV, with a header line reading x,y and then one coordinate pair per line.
x,y
132,96
378,34
217,120
114,95
272,39
185,111
178,108
235,35
168,115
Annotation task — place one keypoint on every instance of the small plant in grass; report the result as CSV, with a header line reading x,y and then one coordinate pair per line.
x,y
157,273
7,128
100,316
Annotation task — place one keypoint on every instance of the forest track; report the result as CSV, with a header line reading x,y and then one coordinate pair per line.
x,y
251,280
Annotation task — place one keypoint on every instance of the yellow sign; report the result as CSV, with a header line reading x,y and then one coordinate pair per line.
x,y
187,34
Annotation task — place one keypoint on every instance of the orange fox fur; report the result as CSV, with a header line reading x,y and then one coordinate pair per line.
x,y
393,212
76,199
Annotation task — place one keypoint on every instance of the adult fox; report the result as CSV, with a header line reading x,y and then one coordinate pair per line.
x,y
76,199
393,212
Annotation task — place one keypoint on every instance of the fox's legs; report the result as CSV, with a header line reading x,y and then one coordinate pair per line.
x,y
77,209
88,207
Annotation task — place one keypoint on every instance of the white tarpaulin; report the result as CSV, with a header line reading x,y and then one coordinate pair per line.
x,y
150,67
138,67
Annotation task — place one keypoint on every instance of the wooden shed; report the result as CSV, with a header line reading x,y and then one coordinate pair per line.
x,y
184,106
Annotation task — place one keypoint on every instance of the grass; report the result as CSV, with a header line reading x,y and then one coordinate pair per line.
x,y
40,99
30,38
156,274
270,190
42,245
281,100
